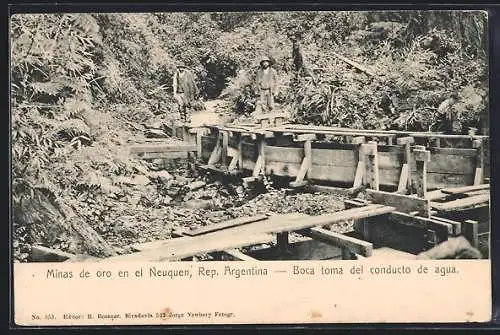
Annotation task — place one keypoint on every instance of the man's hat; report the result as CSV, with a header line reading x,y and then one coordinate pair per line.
x,y
180,65
265,59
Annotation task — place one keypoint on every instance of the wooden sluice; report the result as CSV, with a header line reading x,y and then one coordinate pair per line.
x,y
410,191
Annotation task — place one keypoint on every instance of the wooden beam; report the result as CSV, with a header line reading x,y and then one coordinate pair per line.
x,y
465,189
461,203
456,226
339,240
226,224
236,255
146,148
355,64
358,140
441,227
403,203
305,137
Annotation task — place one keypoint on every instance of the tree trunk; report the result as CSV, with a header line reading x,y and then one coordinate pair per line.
x,y
49,222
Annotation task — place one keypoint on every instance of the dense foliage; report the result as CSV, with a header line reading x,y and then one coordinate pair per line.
x,y
82,83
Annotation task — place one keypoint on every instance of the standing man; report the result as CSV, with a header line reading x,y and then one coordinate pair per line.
x,y
267,81
185,91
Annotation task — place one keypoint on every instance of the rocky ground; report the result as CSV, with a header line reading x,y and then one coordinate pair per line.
x,y
130,201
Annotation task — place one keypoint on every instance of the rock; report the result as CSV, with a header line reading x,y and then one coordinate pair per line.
x,y
196,185
198,204
140,180
134,200
163,175
188,196
167,200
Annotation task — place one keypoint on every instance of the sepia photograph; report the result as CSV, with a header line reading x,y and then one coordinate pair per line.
x,y
249,136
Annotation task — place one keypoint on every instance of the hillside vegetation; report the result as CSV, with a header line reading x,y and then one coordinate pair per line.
x,y
83,84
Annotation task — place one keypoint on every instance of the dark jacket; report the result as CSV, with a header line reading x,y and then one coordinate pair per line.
x,y
267,80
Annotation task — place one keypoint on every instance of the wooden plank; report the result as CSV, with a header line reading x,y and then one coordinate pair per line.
x,y
165,155
339,240
442,228
452,164
403,203
305,137
445,180
324,219
225,141
332,157
455,224
470,230
225,225
390,160
465,189
143,148
461,203
447,136
436,194
196,245
462,152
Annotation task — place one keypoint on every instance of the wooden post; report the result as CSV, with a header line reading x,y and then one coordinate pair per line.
x,y
479,173
240,151
225,143
199,134
422,156
470,229
306,165
216,152
347,254
282,243
308,155
371,177
360,168
405,184
260,163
